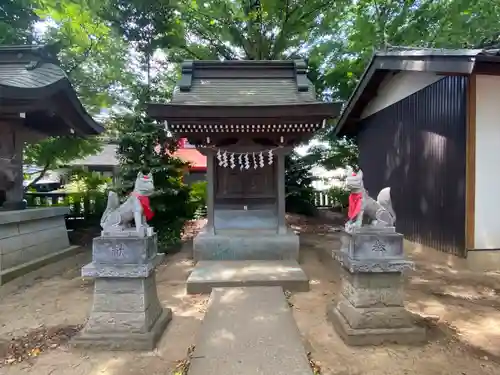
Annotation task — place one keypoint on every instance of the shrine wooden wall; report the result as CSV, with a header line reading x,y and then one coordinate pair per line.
x,y
253,187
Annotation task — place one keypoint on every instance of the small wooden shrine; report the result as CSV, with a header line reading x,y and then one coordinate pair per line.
x,y
245,116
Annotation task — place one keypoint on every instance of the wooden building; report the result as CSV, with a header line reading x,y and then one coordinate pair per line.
x,y
36,101
107,164
197,169
427,123
245,116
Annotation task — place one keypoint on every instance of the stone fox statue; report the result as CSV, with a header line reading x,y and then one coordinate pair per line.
x,y
136,208
380,211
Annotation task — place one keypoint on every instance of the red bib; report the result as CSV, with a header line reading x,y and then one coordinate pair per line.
x,y
146,206
355,200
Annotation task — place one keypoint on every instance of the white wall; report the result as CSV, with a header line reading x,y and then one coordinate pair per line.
x,y
487,197
397,87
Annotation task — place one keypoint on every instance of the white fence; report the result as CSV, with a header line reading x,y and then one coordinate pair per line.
x,y
322,199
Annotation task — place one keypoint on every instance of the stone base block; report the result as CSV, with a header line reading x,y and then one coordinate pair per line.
x,y
126,314
372,249
373,317
371,336
372,289
123,340
124,250
215,274
246,245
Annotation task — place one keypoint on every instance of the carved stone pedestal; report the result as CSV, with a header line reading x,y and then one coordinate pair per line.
x,y
370,309
126,313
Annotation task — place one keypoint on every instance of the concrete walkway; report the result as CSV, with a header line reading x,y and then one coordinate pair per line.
x,y
249,331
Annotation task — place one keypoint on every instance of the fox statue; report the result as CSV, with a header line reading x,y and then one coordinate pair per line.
x,y
136,208
380,211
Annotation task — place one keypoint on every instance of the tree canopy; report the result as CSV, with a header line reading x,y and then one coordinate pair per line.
x,y
113,48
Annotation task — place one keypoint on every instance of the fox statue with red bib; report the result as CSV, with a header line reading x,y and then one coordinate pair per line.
x,y
117,219
380,211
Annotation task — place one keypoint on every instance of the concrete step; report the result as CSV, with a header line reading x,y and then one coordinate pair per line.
x,y
209,274
249,331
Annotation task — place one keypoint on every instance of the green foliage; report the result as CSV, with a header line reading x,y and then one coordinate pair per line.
x,y
341,153
137,152
85,194
256,30
365,26
16,21
53,152
93,55
298,186
198,199
83,181
339,197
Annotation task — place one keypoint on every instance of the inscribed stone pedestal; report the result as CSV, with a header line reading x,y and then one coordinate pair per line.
x,y
126,313
370,309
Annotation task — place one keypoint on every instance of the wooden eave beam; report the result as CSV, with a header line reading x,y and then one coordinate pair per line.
x,y
289,112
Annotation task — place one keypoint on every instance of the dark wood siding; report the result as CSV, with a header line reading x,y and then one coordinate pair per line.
x,y
417,147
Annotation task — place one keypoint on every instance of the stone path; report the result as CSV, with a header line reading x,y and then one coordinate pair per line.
x,y
211,274
249,331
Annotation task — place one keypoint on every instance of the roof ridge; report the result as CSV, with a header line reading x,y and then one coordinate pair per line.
x,y
213,69
32,55
211,64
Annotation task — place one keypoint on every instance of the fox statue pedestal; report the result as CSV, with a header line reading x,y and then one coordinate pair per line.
x,y
126,313
370,309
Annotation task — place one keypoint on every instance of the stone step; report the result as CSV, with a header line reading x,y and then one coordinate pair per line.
x,y
249,331
209,274
247,233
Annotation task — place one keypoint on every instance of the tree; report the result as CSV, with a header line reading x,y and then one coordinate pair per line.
x,y
17,18
143,146
95,61
93,55
298,185
339,154
252,30
367,26
53,152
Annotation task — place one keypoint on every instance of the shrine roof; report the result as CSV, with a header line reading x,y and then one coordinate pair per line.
x,y
33,84
243,93
244,83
